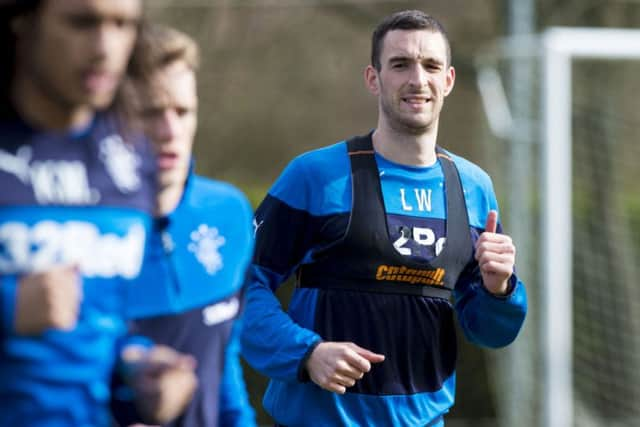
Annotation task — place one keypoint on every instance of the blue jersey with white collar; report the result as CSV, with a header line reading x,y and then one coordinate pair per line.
x,y
189,296
308,212
69,198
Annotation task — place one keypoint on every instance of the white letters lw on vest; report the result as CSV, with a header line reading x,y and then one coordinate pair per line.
x,y
422,199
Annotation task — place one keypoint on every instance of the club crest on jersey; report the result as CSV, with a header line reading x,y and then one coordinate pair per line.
x,y
121,163
205,242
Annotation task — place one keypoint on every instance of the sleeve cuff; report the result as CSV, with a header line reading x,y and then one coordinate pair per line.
x,y
303,374
136,343
511,288
8,291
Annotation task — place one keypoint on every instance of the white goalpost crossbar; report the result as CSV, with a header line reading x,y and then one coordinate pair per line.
x,y
560,46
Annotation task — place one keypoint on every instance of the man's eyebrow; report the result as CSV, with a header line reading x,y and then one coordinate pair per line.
x,y
90,16
428,59
432,60
400,58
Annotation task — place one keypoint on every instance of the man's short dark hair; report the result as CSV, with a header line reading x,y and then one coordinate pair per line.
x,y
405,20
9,11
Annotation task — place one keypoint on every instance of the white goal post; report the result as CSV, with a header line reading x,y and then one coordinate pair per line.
x,y
555,50
560,47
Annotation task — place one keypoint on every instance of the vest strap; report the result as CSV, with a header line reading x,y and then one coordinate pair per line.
x,y
379,287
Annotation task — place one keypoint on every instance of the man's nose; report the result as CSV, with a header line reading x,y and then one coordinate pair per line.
x,y
102,41
418,76
166,126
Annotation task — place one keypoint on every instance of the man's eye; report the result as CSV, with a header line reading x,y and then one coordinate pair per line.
x,y
81,22
181,112
432,66
124,23
150,113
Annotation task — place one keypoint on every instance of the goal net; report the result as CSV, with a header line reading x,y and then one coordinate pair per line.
x,y
572,180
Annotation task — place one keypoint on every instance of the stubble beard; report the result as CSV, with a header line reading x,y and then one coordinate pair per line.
x,y
403,125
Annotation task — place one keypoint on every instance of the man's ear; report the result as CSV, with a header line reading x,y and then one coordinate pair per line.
x,y
372,80
450,80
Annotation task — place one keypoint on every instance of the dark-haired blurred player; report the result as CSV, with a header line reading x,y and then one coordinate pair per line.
x,y
75,206
382,230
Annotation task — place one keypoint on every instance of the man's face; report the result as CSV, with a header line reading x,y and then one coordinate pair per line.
x,y
413,81
78,50
168,110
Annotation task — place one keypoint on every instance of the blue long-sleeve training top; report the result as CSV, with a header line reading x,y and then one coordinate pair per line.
x,y
305,216
80,198
190,296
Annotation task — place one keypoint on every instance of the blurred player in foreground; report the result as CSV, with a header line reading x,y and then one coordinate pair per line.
x,y
77,195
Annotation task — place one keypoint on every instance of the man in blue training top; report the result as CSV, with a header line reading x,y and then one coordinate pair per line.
x,y
76,202
380,230
197,258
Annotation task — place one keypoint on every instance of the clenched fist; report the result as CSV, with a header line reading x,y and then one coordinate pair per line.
x,y
335,366
48,300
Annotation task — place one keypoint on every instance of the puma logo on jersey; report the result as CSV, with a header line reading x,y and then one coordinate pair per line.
x,y
256,226
17,164
121,162
31,248
220,312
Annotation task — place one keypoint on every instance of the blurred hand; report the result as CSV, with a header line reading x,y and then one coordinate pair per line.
x,y
48,300
164,381
496,256
334,366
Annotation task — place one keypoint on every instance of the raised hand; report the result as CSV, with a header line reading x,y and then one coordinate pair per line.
x,y
496,255
48,300
334,366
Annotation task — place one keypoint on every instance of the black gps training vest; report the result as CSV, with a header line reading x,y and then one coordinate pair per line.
x,y
373,296
365,260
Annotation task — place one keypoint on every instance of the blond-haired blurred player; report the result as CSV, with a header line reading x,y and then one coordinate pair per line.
x,y
196,262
